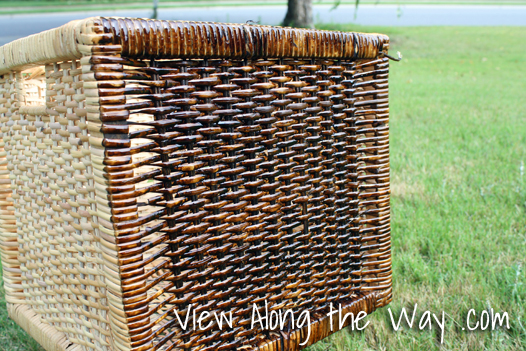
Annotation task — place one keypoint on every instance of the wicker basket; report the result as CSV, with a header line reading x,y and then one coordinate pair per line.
x,y
153,171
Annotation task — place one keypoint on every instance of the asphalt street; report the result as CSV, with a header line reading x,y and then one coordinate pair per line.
x,y
16,26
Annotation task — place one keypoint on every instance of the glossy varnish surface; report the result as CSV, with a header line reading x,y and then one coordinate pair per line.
x,y
168,39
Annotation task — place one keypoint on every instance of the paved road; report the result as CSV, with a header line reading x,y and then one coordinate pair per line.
x,y
16,26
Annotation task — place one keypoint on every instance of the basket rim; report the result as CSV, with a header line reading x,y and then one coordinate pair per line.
x,y
147,38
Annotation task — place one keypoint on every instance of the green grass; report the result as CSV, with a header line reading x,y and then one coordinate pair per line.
x,y
458,146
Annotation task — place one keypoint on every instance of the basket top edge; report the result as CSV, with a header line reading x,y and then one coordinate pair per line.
x,y
148,38
233,24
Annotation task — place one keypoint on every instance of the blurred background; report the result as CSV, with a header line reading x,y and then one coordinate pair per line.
x,y
458,150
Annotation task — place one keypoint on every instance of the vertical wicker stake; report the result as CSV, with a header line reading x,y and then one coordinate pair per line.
x,y
181,169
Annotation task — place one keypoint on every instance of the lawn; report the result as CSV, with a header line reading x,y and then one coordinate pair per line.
x,y
458,146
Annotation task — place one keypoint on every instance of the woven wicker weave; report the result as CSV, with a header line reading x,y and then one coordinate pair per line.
x,y
149,167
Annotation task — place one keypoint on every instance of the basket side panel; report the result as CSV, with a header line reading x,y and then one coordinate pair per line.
x,y
8,230
235,182
61,272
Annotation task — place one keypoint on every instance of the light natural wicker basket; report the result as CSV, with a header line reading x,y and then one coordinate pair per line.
x,y
149,166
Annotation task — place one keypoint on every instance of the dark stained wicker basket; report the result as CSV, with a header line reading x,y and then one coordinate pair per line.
x,y
150,167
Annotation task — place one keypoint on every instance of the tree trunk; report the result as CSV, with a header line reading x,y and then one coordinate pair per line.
x,y
155,6
299,14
